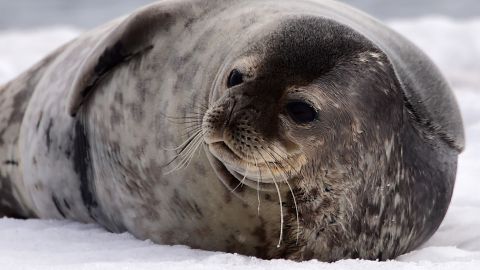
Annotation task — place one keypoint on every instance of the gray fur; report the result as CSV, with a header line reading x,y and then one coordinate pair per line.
x,y
85,133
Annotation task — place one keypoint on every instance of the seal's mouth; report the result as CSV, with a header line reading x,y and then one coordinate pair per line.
x,y
234,170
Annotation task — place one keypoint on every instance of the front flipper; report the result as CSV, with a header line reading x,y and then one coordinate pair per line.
x,y
131,38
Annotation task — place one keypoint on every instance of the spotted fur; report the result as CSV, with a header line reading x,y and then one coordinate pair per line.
x,y
119,127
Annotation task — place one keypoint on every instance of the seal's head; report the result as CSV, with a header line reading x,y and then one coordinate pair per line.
x,y
314,112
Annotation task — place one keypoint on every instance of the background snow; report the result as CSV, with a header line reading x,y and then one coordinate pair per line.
x,y
39,244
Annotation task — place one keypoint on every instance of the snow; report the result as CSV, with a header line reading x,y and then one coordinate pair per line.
x,y
47,244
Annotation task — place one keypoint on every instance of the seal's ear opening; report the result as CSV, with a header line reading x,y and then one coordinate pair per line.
x,y
129,39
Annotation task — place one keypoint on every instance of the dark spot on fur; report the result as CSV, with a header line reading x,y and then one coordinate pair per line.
x,y
314,192
198,209
111,56
57,205
11,162
142,87
326,202
228,196
118,97
200,170
82,166
261,234
115,117
66,204
153,169
189,22
372,209
190,209
137,112
40,116
48,139
38,186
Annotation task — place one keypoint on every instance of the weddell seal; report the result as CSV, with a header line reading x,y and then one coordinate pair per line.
x,y
278,129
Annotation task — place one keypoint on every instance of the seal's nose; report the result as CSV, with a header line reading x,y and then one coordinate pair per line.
x,y
221,117
217,119
212,127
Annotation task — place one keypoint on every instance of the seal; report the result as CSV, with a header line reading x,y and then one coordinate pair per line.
x,y
278,129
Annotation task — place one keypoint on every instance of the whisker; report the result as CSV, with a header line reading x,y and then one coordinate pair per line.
x,y
258,184
188,116
190,121
191,127
186,132
203,107
184,144
285,177
185,121
296,209
187,150
284,159
277,161
184,159
192,115
279,200
267,149
244,177
200,141
187,157
227,186
193,123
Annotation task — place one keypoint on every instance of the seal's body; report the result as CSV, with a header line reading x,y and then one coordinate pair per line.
x,y
279,129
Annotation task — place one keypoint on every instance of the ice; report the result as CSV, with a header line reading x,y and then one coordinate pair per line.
x,y
47,244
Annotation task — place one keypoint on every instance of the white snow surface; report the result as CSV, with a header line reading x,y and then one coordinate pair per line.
x,y
48,244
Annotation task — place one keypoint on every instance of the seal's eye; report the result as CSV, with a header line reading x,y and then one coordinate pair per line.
x,y
235,78
301,112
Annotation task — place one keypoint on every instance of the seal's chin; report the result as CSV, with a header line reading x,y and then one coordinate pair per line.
x,y
234,171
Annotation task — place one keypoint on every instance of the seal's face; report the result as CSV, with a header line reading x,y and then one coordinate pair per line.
x,y
291,114
271,109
